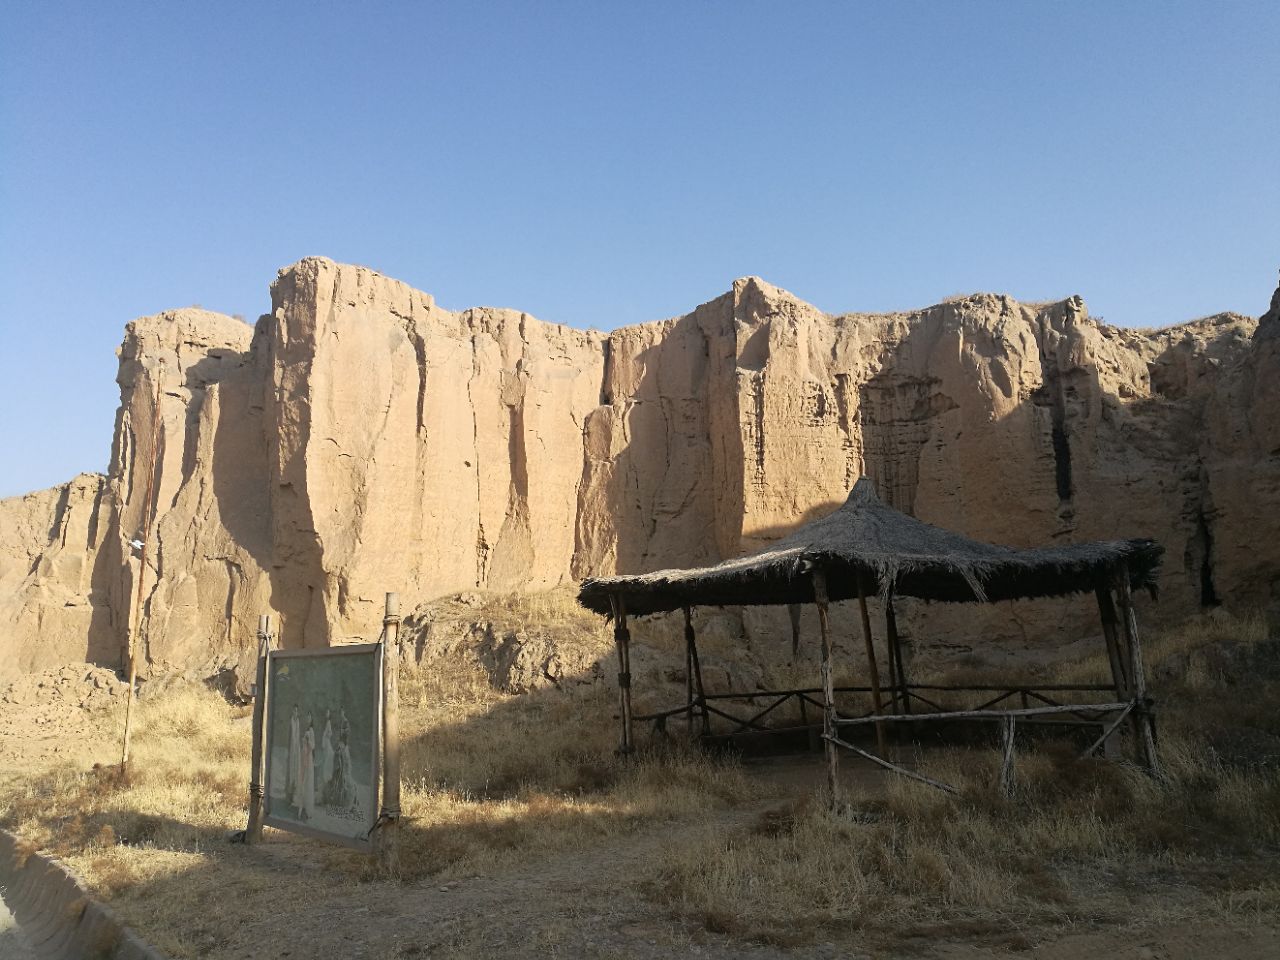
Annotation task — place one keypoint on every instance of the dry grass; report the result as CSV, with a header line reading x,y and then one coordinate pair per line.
x,y
554,612
1075,833
185,789
491,776
490,780
493,781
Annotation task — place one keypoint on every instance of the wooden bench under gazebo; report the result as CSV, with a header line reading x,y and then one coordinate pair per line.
x,y
867,549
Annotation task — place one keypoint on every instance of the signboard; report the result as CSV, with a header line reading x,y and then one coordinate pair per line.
x,y
322,728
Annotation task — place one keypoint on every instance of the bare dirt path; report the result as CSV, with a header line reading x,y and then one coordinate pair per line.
x,y
13,945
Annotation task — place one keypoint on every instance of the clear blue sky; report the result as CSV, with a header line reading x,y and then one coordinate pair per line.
x,y
605,163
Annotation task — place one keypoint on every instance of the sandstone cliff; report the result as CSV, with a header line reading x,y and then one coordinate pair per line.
x,y
361,438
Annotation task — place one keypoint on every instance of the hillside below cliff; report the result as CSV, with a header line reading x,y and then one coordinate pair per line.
x,y
359,438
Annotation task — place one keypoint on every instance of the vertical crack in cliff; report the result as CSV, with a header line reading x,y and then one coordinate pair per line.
x,y
234,575
1204,534
127,445
191,424
420,352
419,441
1199,551
606,371
511,561
518,456
1052,395
95,516
482,544
58,528
757,395
841,391
1061,458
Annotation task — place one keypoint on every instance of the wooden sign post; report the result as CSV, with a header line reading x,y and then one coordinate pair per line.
x,y
389,815
253,833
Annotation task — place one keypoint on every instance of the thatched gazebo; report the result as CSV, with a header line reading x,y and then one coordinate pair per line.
x,y
866,548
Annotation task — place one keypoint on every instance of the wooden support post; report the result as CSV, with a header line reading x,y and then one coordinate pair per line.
x,y
893,676
622,638
1117,656
871,661
895,650
828,688
253,832
1006,764
1107,613
1138,681
387,837
688,671
691,641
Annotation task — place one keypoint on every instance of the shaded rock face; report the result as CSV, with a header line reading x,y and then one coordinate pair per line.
x,y
361,439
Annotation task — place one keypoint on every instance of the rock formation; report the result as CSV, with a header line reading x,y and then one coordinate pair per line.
x,y
53,590
360,438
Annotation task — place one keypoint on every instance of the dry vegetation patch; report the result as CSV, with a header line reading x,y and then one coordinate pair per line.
x,y
1080,839
498,785
491,781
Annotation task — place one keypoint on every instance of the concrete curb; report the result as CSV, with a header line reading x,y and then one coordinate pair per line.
x,y
57,915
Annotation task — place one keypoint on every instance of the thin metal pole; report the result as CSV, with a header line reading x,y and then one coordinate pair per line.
x,y
132,641
253,833
389,816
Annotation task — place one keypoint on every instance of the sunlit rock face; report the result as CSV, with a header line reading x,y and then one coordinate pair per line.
x,y
362,439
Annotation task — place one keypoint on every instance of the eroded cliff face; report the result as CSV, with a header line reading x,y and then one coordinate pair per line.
x,y
414,448
54,606
362,439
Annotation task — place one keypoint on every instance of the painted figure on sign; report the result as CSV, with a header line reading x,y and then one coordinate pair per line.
x,y
305,796
326,751
340,792
294,759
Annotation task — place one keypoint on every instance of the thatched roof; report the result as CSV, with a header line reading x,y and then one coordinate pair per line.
x,y
892,551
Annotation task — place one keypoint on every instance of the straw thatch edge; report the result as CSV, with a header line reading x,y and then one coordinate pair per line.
x,y
869,546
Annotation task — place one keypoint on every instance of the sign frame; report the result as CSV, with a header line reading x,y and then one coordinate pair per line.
x,y
378,650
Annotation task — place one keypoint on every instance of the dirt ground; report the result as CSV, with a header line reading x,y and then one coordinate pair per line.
x,y
13,945
582,904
